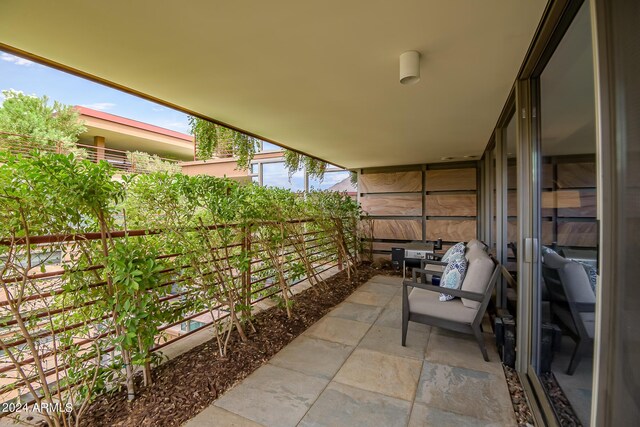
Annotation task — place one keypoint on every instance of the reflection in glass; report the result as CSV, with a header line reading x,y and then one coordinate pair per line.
x,y
567,228
267,146
276,175
339,181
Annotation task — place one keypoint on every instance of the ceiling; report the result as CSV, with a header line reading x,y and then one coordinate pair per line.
x,y
318,77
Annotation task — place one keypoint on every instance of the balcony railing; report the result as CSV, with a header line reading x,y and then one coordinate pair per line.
x,y
49,281
125,161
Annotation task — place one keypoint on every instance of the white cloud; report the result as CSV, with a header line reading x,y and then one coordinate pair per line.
x,y
16,60
173,125
158,108
100,106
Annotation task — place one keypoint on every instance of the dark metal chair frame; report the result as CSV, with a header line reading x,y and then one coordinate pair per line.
x,y
474,328
560,300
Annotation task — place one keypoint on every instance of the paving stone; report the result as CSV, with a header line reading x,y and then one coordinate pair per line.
x,y
389,280
341,405
380,288
369,298
360,312
273,396
425,416
464,391
343,331
463,353
381,373
312,356
389,341
391,317
214,416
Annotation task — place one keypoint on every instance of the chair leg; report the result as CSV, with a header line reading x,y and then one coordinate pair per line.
x,y
576,357
405,324
480,339
405,316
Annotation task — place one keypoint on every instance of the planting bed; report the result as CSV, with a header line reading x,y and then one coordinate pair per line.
x,y
189,383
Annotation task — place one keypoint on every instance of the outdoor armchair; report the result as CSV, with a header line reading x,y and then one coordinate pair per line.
x,y
420,301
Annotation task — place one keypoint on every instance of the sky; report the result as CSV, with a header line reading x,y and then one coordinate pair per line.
x,y
32,78
35,79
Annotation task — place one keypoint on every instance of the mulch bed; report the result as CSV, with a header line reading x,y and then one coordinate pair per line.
x,y
524,417
561,405
189,383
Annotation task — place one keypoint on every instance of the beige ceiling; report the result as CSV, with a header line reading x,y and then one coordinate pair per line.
x,y
320,77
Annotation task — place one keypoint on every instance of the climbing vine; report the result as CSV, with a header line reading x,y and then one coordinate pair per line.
x,y
95,270
213,139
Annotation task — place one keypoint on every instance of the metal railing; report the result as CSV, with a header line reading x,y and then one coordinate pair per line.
x,y
125,161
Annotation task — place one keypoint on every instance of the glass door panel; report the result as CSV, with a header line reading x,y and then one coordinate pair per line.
x,y
566,226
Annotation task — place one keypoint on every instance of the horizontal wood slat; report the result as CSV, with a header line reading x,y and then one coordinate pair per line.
x,y
451,230
547,233
392,204
576,175
451,205
391,182
578,234
547,175
577,203
451,179
408,229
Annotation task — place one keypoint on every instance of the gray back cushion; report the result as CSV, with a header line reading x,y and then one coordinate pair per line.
x,y
479,270
573,276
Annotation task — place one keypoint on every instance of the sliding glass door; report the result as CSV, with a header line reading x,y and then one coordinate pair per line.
x,y
564,217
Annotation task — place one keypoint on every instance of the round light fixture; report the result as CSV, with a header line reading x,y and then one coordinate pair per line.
x,y
410,67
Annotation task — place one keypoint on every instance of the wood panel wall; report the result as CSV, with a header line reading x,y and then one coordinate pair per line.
x,y
571,208
420,202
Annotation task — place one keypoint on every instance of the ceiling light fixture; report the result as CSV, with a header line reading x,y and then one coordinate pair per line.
x,y
410,67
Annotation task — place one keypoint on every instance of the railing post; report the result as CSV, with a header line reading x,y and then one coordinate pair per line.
x,y
246,276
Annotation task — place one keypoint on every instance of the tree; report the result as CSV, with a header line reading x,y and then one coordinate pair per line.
x,y
212,138
45,125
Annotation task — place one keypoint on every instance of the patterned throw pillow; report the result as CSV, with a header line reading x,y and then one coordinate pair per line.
x,y
454,251
591,272
453,276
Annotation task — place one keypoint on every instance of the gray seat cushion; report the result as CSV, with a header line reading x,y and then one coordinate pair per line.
x,y
427,302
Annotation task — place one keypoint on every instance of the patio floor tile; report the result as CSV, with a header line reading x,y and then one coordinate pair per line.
x,y
391,317
379,288
464,391
389,280
381,373
425,416
360,312
343,331
389,341
214,416
341,405
313,356
350,369
463,353
273,396
370,298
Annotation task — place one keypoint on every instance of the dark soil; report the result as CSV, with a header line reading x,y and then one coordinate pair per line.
x,y
561,405
524,417
189,383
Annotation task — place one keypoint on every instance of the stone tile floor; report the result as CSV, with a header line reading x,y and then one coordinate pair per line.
x,y
349,369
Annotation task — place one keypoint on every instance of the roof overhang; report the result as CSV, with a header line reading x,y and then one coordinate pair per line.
x,y
319,77
129,135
